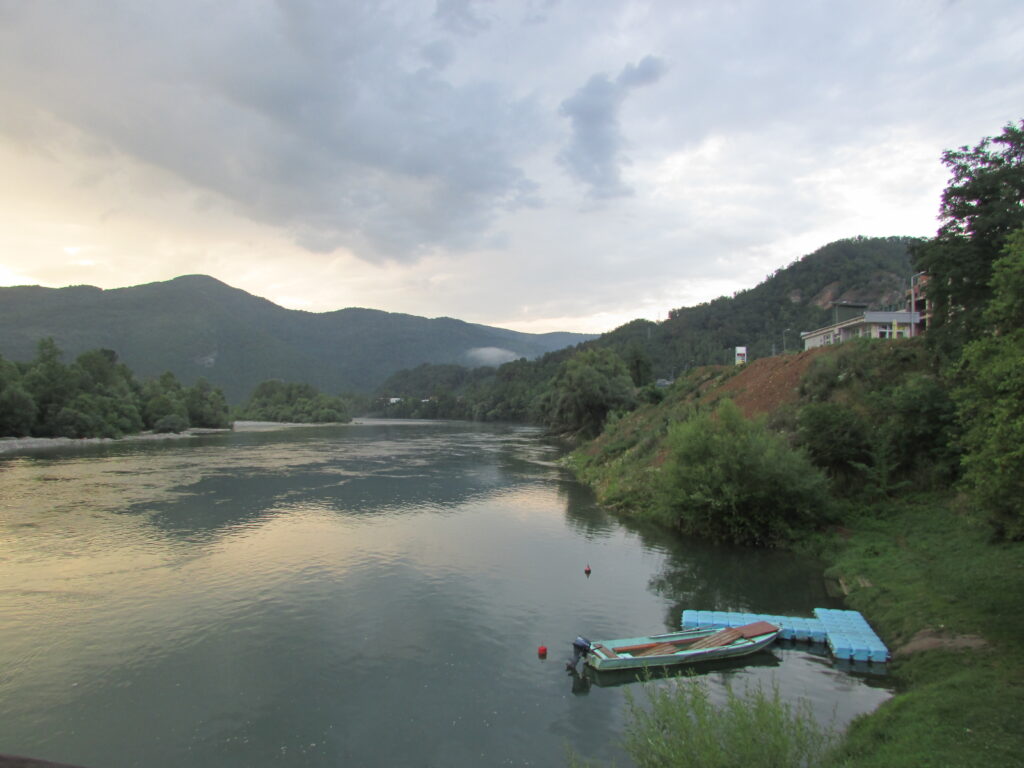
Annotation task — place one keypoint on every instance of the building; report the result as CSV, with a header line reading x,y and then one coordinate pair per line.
x,y
853,321
917,298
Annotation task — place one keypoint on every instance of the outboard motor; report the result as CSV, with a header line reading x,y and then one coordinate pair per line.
x,y
580,648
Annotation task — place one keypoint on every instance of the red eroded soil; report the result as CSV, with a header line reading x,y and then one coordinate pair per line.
x,y
765,384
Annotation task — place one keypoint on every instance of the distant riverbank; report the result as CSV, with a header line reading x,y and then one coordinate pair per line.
x,y
9,445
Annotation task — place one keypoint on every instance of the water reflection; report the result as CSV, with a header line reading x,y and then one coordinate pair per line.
x,y
368,595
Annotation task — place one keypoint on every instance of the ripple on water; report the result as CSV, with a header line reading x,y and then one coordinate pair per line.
x,y
261,598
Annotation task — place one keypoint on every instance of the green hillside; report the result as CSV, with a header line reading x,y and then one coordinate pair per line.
x,y
765,319
768,318
196,326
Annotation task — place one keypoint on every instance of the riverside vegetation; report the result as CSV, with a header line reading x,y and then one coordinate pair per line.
x,y
98,396
900,462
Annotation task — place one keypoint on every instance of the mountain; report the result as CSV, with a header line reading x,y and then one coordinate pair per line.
x,y
768,318
196,326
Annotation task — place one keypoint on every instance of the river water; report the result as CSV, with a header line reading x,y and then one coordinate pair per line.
x,y
366,595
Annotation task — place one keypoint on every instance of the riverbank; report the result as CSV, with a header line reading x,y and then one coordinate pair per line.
x,y
14,445
921,567
950,604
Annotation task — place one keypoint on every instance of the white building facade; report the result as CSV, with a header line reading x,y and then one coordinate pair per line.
x,y
871,325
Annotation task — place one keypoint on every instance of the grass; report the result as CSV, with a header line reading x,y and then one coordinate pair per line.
x,y
917,563
677,724
932,567
681,726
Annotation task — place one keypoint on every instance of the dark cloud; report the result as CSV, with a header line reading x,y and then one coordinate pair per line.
x,y
439,54
538,11
594,153
459,17
648,71
301,114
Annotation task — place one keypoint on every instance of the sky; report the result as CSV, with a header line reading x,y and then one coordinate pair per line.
x,y
539,165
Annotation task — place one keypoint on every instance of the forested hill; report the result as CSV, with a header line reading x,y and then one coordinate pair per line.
x,y
874,271
769,317
196,326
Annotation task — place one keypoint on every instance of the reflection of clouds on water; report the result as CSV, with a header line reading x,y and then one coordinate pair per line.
x,y
245,592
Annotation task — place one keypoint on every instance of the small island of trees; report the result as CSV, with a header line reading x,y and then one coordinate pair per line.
x,y
97,396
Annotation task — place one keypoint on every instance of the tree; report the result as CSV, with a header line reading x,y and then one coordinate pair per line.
x,y
990,399
50,384
837,439
17,411
206,406
731,479
981,206
285,401
587,387
638,362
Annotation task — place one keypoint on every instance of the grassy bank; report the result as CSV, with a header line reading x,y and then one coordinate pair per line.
x,y
951,604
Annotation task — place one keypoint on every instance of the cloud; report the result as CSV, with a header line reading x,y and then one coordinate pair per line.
x,y
302,115
438,53
594,153
493,356
431,157
458,16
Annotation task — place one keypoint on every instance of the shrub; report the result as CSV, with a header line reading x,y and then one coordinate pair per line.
x,y
172,422
731,479
836,438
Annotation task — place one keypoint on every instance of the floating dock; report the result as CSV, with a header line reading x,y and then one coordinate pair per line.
x,y
847,634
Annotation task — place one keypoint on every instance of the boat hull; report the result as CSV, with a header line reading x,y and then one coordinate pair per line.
x,y
643,652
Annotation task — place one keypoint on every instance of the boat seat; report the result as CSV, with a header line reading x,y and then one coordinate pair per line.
x,y
720,638
662,649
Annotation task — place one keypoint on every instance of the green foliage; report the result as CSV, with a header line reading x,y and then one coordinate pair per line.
x,y
588,386
918,563
837,439
765,319
171,422
51,386
96,396
768,318
876,416
18,411
293,402
196,326
990,400
982,205
679,725
206,406
638,363
730,479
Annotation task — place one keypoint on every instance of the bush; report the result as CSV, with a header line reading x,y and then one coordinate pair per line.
x,y
990,400
172,422
681,726
730,479
836,439
588,387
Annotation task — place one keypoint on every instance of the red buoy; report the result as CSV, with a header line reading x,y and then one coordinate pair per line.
x,y
542,651
587,570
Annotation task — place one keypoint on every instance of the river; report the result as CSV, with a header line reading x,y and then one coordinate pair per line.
x,y
371,594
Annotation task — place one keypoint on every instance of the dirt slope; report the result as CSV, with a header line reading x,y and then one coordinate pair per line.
x,y
767,383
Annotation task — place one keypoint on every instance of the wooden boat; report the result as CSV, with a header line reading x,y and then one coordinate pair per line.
x,y
686,647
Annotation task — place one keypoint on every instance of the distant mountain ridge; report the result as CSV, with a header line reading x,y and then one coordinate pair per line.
x,y
196,326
